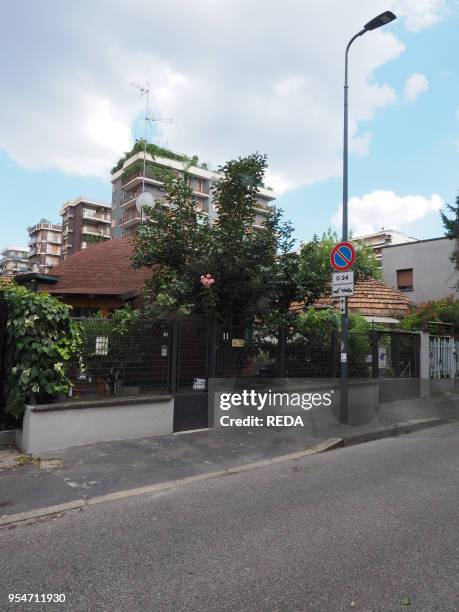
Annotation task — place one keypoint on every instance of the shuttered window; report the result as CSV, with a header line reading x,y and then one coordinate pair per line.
x,y
405,279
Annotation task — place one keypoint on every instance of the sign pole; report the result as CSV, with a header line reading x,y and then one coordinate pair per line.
x,y
343,413
342,258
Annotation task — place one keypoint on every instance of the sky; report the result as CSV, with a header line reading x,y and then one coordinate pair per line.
x,y
235,77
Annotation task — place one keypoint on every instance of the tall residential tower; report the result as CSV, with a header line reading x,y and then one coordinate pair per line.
x,y
127,183
84,221
45,246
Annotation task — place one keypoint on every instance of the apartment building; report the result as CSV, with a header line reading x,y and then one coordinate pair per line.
x,y
383,238
423,270
45,241
84,222
14,260
127,186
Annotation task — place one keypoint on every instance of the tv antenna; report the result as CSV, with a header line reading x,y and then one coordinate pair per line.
x,y
144,90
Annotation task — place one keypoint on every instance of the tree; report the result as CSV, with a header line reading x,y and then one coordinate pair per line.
x,y
366,264
224,270
452,229
304,277
445,310
242,259
174,241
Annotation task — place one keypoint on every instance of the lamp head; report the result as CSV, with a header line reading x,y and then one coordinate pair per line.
x,y
379,21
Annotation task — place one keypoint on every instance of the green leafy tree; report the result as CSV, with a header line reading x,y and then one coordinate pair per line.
x,y
366,264
243,260
451,226
304,277
174,241
445,310
227,270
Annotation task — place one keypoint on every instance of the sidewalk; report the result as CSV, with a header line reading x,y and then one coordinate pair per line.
x,y
109,467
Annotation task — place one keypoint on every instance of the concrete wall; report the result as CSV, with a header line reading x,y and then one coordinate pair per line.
x,y
56,426
434,275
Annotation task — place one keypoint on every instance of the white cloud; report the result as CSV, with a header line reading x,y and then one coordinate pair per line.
x,y
420,14
379,209
234,77
415,85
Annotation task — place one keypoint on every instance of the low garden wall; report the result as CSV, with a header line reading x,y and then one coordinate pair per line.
x,y
50,427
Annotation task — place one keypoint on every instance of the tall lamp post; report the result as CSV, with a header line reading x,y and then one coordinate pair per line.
x,y
375,23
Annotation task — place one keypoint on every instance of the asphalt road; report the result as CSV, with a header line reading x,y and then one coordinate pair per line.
x,y
371,527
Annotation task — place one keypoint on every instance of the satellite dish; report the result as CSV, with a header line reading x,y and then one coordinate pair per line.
x,y
145,199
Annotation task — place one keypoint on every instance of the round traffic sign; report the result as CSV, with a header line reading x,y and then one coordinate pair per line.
x,y
342,256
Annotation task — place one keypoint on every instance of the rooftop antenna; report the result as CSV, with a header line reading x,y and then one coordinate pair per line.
x,y
144,90
146,198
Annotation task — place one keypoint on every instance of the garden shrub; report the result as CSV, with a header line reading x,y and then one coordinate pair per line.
x,y
41,340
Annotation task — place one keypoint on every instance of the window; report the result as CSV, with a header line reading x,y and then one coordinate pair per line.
x,y
405,279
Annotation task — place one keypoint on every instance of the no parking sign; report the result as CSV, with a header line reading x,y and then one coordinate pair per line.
x,y
342,256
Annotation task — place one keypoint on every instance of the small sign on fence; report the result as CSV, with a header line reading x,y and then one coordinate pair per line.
x,y
199,384
237,342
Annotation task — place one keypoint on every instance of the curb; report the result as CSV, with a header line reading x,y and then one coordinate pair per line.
x,y
393,430
21,517
326,445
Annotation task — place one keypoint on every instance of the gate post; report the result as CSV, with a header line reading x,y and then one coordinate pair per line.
x,y
374,354
213,348
173,373
212,373
424,355
395,347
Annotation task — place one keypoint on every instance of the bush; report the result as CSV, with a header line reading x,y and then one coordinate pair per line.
x,y
41,339
314,336
445,310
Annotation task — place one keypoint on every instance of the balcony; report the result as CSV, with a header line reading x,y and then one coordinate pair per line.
x,y
94,231
200,194
152,176
200,188
263,207
95,215
130,217
129,198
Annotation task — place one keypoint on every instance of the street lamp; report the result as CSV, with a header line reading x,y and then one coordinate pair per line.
x,y
375,23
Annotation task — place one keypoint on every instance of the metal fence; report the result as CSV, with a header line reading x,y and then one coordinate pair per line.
x,y
442,357
120,361
180,356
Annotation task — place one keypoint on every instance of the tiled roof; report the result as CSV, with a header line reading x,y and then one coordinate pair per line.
x,y
371,297
101,269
